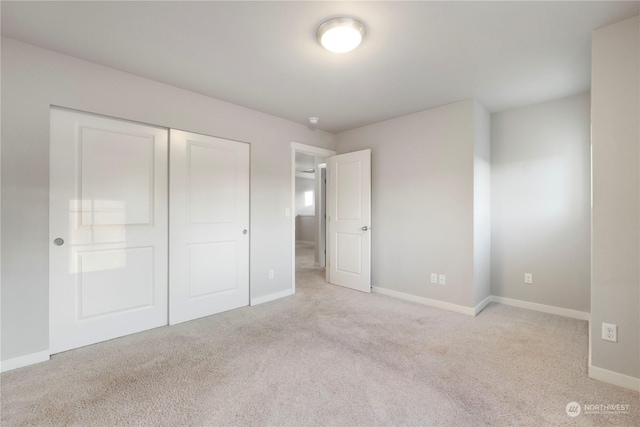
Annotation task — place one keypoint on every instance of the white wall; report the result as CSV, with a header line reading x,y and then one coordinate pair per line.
x,y
305,228
422,200
35,78
305,215
481,203
302,186
541,211
615,112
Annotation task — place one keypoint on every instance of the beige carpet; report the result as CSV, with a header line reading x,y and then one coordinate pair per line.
x,y
325,356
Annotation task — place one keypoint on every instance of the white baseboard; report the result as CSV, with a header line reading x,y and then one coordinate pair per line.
x,y
271,297
478,308
614,378
566,312
26,360
425,301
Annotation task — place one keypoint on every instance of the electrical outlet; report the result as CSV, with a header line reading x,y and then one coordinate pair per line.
x,y
271,274
434,278
528,278
609,332
442,279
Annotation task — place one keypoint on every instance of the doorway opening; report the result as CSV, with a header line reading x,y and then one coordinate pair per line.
x,y
308,168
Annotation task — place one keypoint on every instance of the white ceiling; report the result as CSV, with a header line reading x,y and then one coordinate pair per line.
x,y
263,55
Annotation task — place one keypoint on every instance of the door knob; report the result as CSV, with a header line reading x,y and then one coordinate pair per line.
x,y
58,242
244,231
365,228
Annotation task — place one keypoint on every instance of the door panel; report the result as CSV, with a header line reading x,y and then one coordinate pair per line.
x,y
349,220
209,251
114,281
211,184
116,177
108,202
348,253
349,190
212,268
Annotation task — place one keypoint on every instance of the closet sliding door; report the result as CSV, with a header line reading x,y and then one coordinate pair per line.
x,y
108,229
119,263
209,226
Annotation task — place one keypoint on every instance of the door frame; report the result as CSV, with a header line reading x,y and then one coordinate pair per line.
x,y
321,189
313,151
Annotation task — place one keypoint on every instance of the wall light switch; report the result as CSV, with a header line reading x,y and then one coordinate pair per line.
x,y
434,278
442,279
287,212
271,274
528,278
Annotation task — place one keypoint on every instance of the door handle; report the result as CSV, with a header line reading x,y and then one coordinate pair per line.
x,y
244,231
58,242
365,228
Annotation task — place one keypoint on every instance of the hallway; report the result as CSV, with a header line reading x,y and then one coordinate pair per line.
x,y
307,273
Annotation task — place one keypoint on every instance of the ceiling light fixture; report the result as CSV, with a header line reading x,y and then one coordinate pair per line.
x,y
340,35
314,120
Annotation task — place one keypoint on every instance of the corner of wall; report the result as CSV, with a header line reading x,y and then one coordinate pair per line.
x,y
615,250
481,204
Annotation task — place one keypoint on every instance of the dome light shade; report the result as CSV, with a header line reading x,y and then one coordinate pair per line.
x,y
340,35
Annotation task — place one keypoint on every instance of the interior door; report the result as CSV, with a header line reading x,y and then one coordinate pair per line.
x,y
108,229
209,226
349,220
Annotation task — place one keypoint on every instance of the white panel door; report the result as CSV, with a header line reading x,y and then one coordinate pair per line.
x,y
209,224
107,228
349,220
